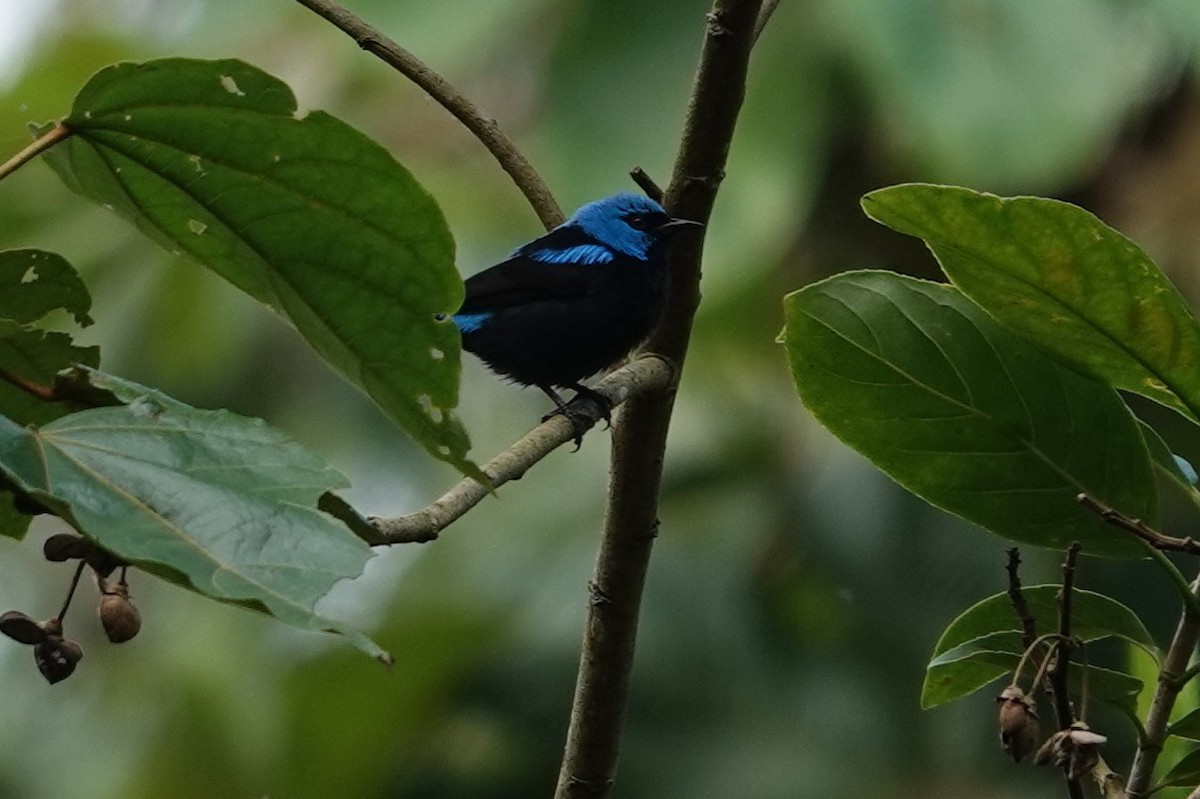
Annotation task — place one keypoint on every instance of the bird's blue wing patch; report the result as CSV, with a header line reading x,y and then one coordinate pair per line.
x,y
578,254
470,322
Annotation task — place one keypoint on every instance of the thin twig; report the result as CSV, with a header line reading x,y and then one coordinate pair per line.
x,y
1156,543
1063,711
1017,599
36,148
37,390
1139,528
486,130
639,435
646,184
642,376
1174,667
764,16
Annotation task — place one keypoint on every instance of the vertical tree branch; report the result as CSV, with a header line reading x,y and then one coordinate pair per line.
x,y
1170,681
485,129
640,431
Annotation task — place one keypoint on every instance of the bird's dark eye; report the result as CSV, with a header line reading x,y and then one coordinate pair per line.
x,y
637,222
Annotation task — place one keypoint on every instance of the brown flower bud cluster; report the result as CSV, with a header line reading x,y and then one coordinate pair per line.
x,y
55,655
1075,749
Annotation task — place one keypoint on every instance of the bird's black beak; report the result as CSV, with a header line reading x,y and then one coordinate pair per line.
x,y
673,226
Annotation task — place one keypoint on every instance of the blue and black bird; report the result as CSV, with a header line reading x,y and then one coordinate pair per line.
x,y
576,300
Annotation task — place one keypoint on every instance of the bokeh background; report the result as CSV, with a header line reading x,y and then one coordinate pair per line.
x,y
795,593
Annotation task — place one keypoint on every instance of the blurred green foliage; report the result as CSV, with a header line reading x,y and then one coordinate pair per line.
x,y
795,593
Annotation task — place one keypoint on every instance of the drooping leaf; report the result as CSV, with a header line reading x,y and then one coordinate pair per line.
x,y
35,282
966,414
961,672
1185,773
992,625
218,502
1059,276
1093,616
307,215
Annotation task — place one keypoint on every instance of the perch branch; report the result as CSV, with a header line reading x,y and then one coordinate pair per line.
x,y
486,130
642,376
639,436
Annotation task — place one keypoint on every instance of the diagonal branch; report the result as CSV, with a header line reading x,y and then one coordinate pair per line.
x,y
644,376
486,130
639,436
1154,538
1170,681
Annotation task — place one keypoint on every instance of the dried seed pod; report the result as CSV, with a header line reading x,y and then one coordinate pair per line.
x,y
22,629
1019,729
1073,749
66,546
56,658
119,616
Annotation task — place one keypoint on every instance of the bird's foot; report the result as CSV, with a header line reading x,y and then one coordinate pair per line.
x,y
581,421
603,403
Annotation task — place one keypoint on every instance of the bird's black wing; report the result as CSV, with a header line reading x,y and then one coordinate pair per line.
x,y
522,279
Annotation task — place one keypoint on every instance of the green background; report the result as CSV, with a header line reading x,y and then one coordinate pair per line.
x,y
795,593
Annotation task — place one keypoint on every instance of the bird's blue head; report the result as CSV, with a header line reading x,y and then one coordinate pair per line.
x,y
628,223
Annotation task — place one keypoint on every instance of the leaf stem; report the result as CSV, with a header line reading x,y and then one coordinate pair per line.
x,y
71,591
486,130
35,148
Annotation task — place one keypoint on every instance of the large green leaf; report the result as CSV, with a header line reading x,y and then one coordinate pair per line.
x,y
992,625
216,501
965,414
1059,276
305,214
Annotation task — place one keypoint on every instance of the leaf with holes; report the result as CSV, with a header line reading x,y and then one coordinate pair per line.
x,y
221,503
35,282
307,215
966,414
1062,278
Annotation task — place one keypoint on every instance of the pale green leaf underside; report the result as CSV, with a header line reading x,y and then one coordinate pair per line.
x,y
219,502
